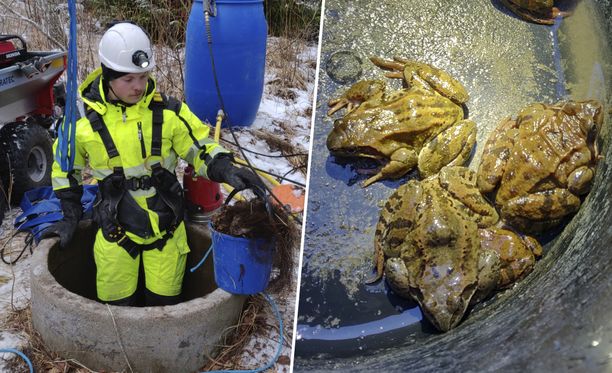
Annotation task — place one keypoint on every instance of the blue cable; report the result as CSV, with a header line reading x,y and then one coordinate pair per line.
x,y
21,354
280,343
203,259
65,151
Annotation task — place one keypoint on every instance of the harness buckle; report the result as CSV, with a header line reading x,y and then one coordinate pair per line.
x,y
136,183
123,238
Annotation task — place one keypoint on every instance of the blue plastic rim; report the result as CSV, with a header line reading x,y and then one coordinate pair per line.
x,y
238,40
242,266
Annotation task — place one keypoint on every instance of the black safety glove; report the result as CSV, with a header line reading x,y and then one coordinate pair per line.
x,y
70,199
222,170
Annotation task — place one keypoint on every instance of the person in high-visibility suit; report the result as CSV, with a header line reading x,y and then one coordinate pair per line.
x,y
132,137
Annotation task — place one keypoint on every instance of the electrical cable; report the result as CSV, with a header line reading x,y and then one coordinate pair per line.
x,y
29,240
222,104
284,177
28,244
21,355
266,155
280,177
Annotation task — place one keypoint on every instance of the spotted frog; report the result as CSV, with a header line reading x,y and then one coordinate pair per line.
x,y
421,125
538,11
539,164
443,249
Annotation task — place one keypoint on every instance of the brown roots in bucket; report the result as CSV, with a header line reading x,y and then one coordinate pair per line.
x,y
250,219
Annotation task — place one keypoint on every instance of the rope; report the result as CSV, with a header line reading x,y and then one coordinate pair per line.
x,y
65,151
20,354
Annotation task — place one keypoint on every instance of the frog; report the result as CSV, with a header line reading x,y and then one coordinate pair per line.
x,y
540,164
537,11
421,125
438,242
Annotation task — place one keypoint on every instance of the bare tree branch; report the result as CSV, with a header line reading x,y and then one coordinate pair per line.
x,y
34,24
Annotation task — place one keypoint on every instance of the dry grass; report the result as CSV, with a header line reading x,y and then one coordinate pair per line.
x,y
43,360
280,143
283,56
252,320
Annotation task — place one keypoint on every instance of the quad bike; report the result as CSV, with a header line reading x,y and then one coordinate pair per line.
x,y
31,101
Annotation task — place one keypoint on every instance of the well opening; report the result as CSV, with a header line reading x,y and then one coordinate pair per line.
x,y
175,338
74,268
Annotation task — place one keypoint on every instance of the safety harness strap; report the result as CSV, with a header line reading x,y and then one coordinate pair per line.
x,y
98,125
157,107
116,184
134,249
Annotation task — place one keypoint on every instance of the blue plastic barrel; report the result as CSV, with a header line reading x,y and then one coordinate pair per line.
x,y
239,32
242,266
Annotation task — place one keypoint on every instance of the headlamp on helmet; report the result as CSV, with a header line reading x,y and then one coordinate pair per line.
x,y
140,59
126,48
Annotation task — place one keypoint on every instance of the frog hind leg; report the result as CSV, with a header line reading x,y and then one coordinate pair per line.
x,y
405,69
538,211
451,147
517,253
437,79
495,155
402,161
394,66
489,270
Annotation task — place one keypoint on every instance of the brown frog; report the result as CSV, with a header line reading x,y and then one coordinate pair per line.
x,y
540,164
442,248
421,125
538,11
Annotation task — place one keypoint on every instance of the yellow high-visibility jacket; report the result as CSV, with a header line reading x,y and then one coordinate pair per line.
x,y
183,135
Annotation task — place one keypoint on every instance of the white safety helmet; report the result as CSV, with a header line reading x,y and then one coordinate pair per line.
x,y
126,48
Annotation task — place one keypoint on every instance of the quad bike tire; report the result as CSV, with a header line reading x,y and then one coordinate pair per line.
x,y
26,157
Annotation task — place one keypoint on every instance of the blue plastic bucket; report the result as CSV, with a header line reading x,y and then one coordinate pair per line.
x,y
242,266
239,33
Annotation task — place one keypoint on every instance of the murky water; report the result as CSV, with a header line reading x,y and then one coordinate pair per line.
x,y
505,64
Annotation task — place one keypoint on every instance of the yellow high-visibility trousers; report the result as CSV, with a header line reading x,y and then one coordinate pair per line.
x,y
117,271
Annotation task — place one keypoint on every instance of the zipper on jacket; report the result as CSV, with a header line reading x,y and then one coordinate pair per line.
x,y
143,150
123,114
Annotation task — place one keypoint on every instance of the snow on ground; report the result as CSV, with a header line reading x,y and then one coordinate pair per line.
x,y
288,118
14,284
